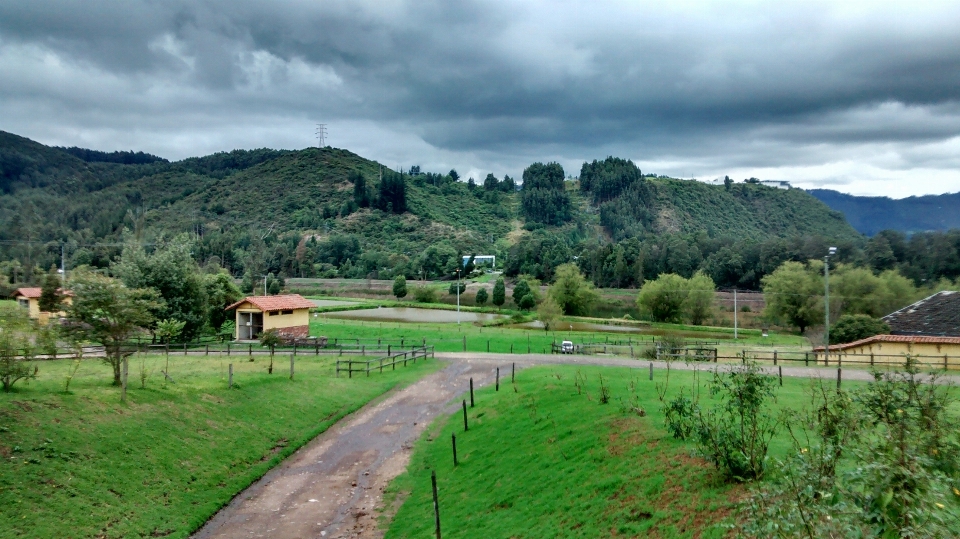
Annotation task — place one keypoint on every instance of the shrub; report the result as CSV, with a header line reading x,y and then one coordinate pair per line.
x,y
853,327
482,296
424,294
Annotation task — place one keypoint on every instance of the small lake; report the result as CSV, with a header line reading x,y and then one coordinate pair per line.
x,y
629,330
412,314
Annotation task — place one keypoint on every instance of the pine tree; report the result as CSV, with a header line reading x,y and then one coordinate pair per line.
x,y
50,294
499,293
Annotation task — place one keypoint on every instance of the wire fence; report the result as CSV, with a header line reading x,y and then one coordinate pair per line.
x,y
390,361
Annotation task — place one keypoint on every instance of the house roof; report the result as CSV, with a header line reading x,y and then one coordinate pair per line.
x,y
276,303
31,293
913,339
34,293
937,315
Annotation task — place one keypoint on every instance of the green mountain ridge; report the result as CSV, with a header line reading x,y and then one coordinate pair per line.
x,y
266,204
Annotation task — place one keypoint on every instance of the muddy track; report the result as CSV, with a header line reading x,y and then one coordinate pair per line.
x,y
333,486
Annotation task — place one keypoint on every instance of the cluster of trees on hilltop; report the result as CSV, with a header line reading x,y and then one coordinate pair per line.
x,y
544,199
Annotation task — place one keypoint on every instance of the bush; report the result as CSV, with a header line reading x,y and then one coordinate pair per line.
x,y
454,285
481,297
736,434
424,294
853,327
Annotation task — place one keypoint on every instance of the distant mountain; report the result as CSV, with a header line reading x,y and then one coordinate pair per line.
x,y
870,215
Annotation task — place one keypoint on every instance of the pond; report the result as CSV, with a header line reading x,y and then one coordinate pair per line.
x,y
631,330
412,314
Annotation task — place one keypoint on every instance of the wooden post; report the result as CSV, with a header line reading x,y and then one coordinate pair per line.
x,y
184,348
363,350
513,372
511,348
230,375
775,359
316,347
294,347
166,349
488,345
781,376
945,363
250,350
838,378
228,348
453,437
806,359
291,366
436,503
207,351
471,392
123,380
651,370
498,379
388,350
464,343
465,426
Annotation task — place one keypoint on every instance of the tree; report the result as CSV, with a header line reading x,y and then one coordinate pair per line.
x,y
168,330
50,294
273,287
453,175
499,293
698,305
520,290
527,302
392,196
361,196
727,183
471,185
663,298
172,272
400,287
481,298
549,313
271,339
544,199
853,327
572,293
491,183
106,311
15,347
794,295
220,293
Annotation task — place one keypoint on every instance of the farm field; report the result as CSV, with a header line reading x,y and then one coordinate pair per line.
x,y
84,464
541,460
449,337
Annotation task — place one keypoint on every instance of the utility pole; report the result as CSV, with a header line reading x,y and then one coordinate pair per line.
x,y
63,266
826,304
458,296
264,285
321,133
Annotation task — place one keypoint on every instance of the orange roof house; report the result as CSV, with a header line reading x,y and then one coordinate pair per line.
x,y
289,314
29,298
894,348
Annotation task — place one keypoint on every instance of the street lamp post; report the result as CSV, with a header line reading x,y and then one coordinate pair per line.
x,y
826,305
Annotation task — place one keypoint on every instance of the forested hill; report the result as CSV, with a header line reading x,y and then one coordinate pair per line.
x,y
331,212
870,215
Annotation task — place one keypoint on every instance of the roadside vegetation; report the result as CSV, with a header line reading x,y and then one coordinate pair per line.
x,y
597,452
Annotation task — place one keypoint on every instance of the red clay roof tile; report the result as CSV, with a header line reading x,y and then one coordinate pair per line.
x,y
276,303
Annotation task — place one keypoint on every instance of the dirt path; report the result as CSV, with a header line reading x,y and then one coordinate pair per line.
x,y
330,487
333,486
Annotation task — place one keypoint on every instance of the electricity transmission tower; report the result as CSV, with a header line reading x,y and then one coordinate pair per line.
x,y
321,134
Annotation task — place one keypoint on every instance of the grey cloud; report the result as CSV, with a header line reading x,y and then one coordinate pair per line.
x,y
714,85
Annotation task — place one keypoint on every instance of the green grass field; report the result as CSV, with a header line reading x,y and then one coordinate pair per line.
x,y
542,461
448,337
84,464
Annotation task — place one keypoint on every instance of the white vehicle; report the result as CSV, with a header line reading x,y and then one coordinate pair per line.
x,y
566,347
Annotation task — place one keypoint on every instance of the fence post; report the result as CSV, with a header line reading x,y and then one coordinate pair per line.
x,y
471,392
498,379
781,376
945,363
838,377
207,351
363,350
513,372
338,369
464,343
388,350
184,348
453,436
228,348
230,376
316,347
465,426
944,360
436,503
775,359
294,347
488,345
291,367
651,370
250,350
123,380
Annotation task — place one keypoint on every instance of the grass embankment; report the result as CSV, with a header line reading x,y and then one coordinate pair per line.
x,y
541,460
84,464
447,337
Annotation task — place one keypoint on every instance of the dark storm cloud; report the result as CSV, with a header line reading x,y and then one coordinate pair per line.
x,y
705,86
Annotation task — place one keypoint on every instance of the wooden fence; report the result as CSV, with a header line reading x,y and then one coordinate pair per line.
x,y
391,361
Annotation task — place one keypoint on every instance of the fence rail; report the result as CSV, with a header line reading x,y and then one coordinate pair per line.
x,y
351,366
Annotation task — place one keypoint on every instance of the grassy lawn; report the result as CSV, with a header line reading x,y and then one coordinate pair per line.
x,y
449,337
541,460
84,464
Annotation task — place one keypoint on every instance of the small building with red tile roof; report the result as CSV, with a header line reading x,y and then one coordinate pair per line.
x,y
29,299
289,314
893,349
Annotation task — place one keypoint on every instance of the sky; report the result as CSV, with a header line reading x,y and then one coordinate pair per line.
x,y
861,97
